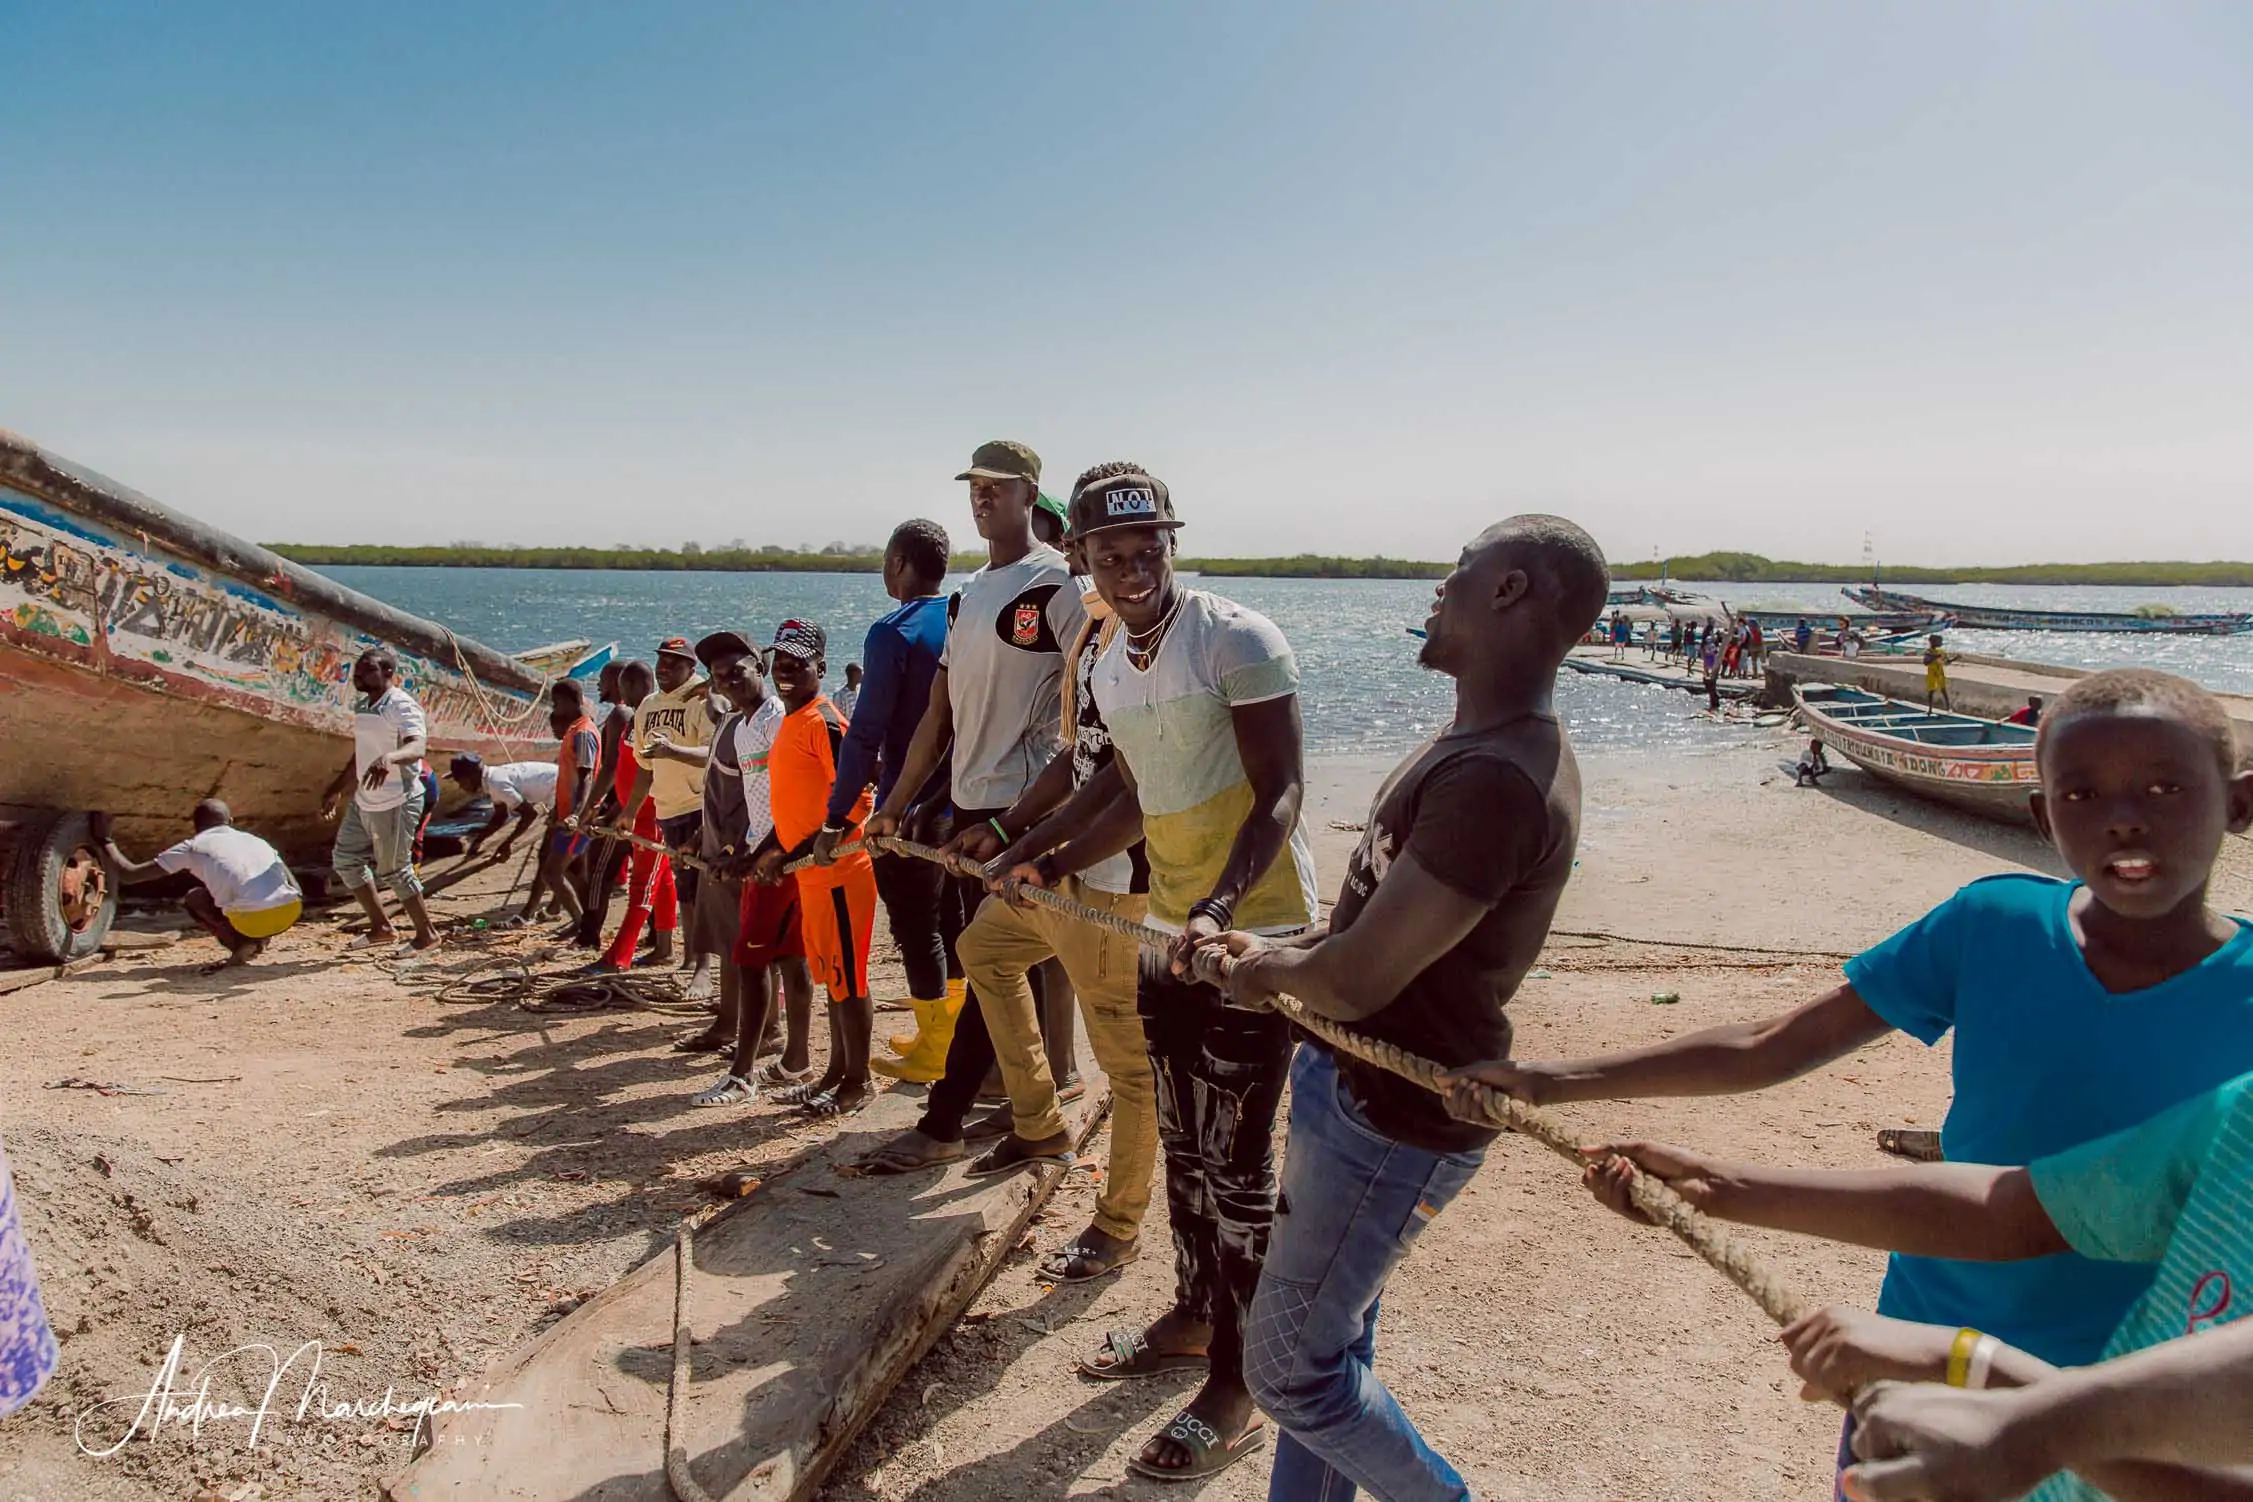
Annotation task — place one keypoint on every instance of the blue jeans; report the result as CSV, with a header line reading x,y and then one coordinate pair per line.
x,y
1353,1200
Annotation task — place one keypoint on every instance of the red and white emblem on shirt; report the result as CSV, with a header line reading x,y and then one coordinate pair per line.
x,y
1024,626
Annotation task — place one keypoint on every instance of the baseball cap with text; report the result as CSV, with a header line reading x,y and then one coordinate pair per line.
x,y
1003,459
1129,500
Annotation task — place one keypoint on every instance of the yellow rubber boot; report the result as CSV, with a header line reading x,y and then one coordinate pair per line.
x,y
927,1060
926,1015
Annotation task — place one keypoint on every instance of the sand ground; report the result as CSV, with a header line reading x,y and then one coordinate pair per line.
x,y
339,1156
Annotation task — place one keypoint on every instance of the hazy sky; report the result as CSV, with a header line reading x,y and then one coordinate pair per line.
x,y
1976,279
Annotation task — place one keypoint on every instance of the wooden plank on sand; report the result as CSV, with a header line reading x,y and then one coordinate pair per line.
x,y
806,1311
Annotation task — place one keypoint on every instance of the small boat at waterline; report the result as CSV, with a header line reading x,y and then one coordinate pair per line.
x,y
1998,618
1984,766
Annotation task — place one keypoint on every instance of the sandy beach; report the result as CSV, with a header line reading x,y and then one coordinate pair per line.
x,y
330,1153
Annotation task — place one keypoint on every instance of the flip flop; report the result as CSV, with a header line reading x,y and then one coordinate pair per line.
x,y
1132,1358
1080,1254
888,1161
370,941
1014,1152
1208,1456
999,1122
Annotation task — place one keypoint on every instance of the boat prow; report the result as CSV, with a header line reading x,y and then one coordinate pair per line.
x,y
148,662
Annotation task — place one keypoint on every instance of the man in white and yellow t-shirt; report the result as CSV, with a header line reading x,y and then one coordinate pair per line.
x,y
247,894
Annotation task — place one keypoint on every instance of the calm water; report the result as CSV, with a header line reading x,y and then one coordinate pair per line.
x,y
1362,691
2224,662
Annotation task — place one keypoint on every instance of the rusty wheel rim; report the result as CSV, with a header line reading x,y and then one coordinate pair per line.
x,y
82,889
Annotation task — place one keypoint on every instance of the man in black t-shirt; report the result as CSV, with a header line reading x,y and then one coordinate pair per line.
x,y
1445,907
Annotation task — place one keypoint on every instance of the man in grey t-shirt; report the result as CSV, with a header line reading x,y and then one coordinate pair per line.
x,y
995,700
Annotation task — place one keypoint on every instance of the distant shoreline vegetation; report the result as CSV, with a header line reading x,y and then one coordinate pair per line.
x,y
1745,568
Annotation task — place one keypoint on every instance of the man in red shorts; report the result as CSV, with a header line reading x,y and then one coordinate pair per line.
x,y
649,883
836,902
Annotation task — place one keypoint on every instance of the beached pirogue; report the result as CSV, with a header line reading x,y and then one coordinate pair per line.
x,y
147,662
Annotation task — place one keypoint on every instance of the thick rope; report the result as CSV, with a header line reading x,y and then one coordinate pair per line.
x,y
1725,1253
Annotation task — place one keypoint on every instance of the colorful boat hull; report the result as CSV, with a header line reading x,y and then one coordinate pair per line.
x,y
1996,618
147,662
1984,766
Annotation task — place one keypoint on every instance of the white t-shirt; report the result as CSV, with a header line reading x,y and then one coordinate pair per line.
x,y
242,871
1005,669
516,783
747,758
378,729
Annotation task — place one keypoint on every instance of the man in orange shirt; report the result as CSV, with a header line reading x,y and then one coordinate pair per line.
x,y
836,902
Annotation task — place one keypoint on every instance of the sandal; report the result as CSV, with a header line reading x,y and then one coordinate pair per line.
x,y
1208,1456
1081,1263
801,1092
370,941
732,1090
831,1103
1131,1357
900,1155
1015,1152
1072,1089
772,1073
704,1042
999,1122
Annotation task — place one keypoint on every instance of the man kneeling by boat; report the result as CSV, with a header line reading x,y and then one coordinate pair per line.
x,y
247,894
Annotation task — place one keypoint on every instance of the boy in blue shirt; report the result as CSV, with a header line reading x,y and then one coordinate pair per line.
x,y
2172,1198
2079,1008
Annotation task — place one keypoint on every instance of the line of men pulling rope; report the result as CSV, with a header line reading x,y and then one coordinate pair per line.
x,y
1061,792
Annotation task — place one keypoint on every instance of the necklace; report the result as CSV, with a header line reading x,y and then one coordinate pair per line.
x,y
1145,644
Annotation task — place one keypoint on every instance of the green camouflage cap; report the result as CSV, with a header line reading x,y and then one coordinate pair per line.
x,y
1003,459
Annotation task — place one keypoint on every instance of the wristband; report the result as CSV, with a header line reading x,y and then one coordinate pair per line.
x,y
995,825
1959,1356
1222,913
1982,1361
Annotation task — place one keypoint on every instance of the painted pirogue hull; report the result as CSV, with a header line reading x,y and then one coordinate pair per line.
x,y
147,661
1994,781
1992,618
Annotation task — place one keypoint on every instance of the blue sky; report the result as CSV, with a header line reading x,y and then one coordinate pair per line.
x,y
1976,279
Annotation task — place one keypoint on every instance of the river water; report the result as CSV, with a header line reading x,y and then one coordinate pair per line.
x,y
1361,690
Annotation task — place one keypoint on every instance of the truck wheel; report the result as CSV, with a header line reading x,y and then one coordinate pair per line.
x,y
61,898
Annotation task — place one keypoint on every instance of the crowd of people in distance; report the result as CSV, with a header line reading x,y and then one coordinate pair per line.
x,y
2061,1312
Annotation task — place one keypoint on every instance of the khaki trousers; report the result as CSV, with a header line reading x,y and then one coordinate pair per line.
x,y
1001,944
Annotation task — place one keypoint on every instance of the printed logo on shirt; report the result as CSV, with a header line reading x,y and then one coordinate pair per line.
x,y
1023,622
1133,500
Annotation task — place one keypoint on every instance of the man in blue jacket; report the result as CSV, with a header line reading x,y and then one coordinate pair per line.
x,y
899,659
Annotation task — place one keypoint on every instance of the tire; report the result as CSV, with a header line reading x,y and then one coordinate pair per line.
x,y
61,894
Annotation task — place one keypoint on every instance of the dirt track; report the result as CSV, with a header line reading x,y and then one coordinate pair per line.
x,y
421,1186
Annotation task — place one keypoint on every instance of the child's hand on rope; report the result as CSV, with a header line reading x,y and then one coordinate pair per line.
x,y
1533,1083
1838,1351
1612,1168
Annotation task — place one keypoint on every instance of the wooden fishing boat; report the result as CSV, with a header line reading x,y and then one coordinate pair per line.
x,y
148,661
1997,618
1778,625
1981,765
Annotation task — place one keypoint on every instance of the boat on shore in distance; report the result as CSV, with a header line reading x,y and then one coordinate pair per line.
x,y
2000,618
148,662
1984,766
